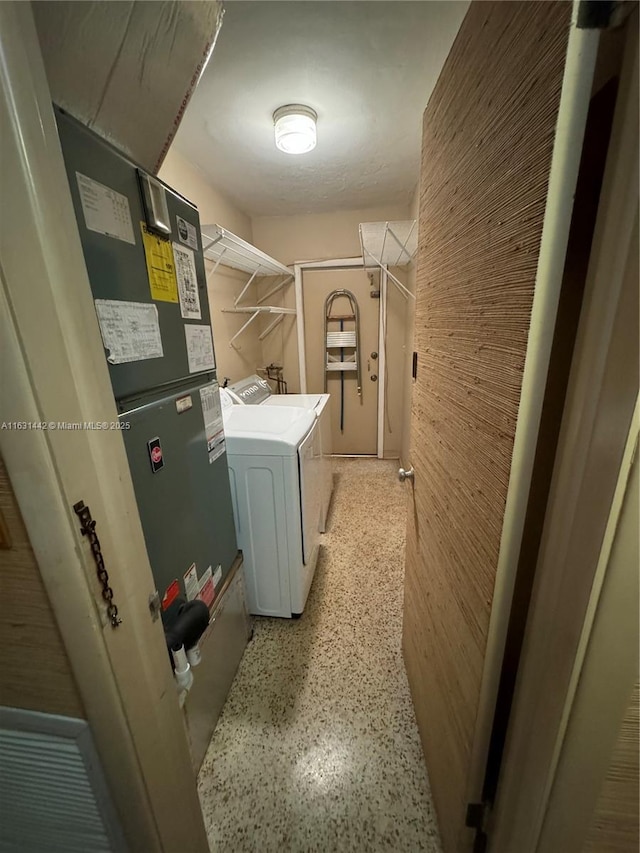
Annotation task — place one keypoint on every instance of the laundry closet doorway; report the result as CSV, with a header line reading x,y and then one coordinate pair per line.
x,y
354,417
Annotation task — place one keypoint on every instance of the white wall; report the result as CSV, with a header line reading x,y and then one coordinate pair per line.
x,y
326,236
318,236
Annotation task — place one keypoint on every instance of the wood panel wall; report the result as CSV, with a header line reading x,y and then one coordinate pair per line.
x,y
488,138
615,826
34,668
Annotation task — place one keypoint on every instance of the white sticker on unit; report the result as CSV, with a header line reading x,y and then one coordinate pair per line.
x,y
191,582
187,282
218,449
217,576
199,348
205,577
183,404
105,210
211,412
212,415
187,233
130,330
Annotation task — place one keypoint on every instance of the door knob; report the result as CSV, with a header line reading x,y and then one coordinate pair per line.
x,y
374,377
405,475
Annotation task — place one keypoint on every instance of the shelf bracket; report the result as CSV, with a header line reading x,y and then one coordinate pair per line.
x,y
403,246
245,288
210,243
245,326
218,262
405,291
275,289
271,327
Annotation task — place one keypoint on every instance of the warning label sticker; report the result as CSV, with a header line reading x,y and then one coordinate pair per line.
x,y
105,210
191,586
130,330
187,232
199,348
212,414
187,283
160,266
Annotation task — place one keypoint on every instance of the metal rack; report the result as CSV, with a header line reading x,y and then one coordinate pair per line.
x,y
389,244
344,339
225,248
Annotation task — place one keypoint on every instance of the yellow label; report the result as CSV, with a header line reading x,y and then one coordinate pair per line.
x,y
161,267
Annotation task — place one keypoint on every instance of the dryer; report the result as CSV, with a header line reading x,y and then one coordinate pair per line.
x,y
256,391
274,460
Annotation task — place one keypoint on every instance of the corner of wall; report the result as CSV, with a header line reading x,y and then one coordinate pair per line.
x,y
414,206
213,206
245,355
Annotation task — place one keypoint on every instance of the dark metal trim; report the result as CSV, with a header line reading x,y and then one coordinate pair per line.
x,y
595,14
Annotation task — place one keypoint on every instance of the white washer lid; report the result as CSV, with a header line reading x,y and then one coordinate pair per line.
x,y
228,398
305,401
266,430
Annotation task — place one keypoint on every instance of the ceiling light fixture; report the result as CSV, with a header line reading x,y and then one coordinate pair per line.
x,y
295,128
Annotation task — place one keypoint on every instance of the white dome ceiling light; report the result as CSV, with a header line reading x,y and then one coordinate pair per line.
x,y
295,128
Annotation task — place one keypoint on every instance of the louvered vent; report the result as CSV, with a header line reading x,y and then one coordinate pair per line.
x,y
52,792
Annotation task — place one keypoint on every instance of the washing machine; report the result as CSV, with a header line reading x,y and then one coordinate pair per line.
x,y
274,458
256,391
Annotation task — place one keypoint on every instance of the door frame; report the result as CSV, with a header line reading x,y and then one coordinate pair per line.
x,y
581,763
54,370
579,66
342,264
521,808
580,62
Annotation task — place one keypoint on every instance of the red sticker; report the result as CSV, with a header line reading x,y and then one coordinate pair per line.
x,y
155,454
173,591
207,593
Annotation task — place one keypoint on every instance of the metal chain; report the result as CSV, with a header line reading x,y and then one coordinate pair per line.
x,y
88,528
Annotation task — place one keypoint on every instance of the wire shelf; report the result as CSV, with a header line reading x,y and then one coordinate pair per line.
x,y
227,249
258,309
390,244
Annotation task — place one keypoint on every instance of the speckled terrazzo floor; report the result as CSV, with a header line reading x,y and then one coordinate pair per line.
x,y
317,747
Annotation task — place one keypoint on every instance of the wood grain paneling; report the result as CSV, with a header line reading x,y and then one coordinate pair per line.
x,y
487,144
615,826
34,667
5,536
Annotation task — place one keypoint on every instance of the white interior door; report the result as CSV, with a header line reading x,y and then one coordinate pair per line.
x,y
488,279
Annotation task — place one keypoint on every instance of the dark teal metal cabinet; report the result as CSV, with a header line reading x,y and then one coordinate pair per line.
x,y
175,446
185,506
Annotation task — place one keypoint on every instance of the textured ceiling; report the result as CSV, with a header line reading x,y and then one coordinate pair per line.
x,y
366,67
